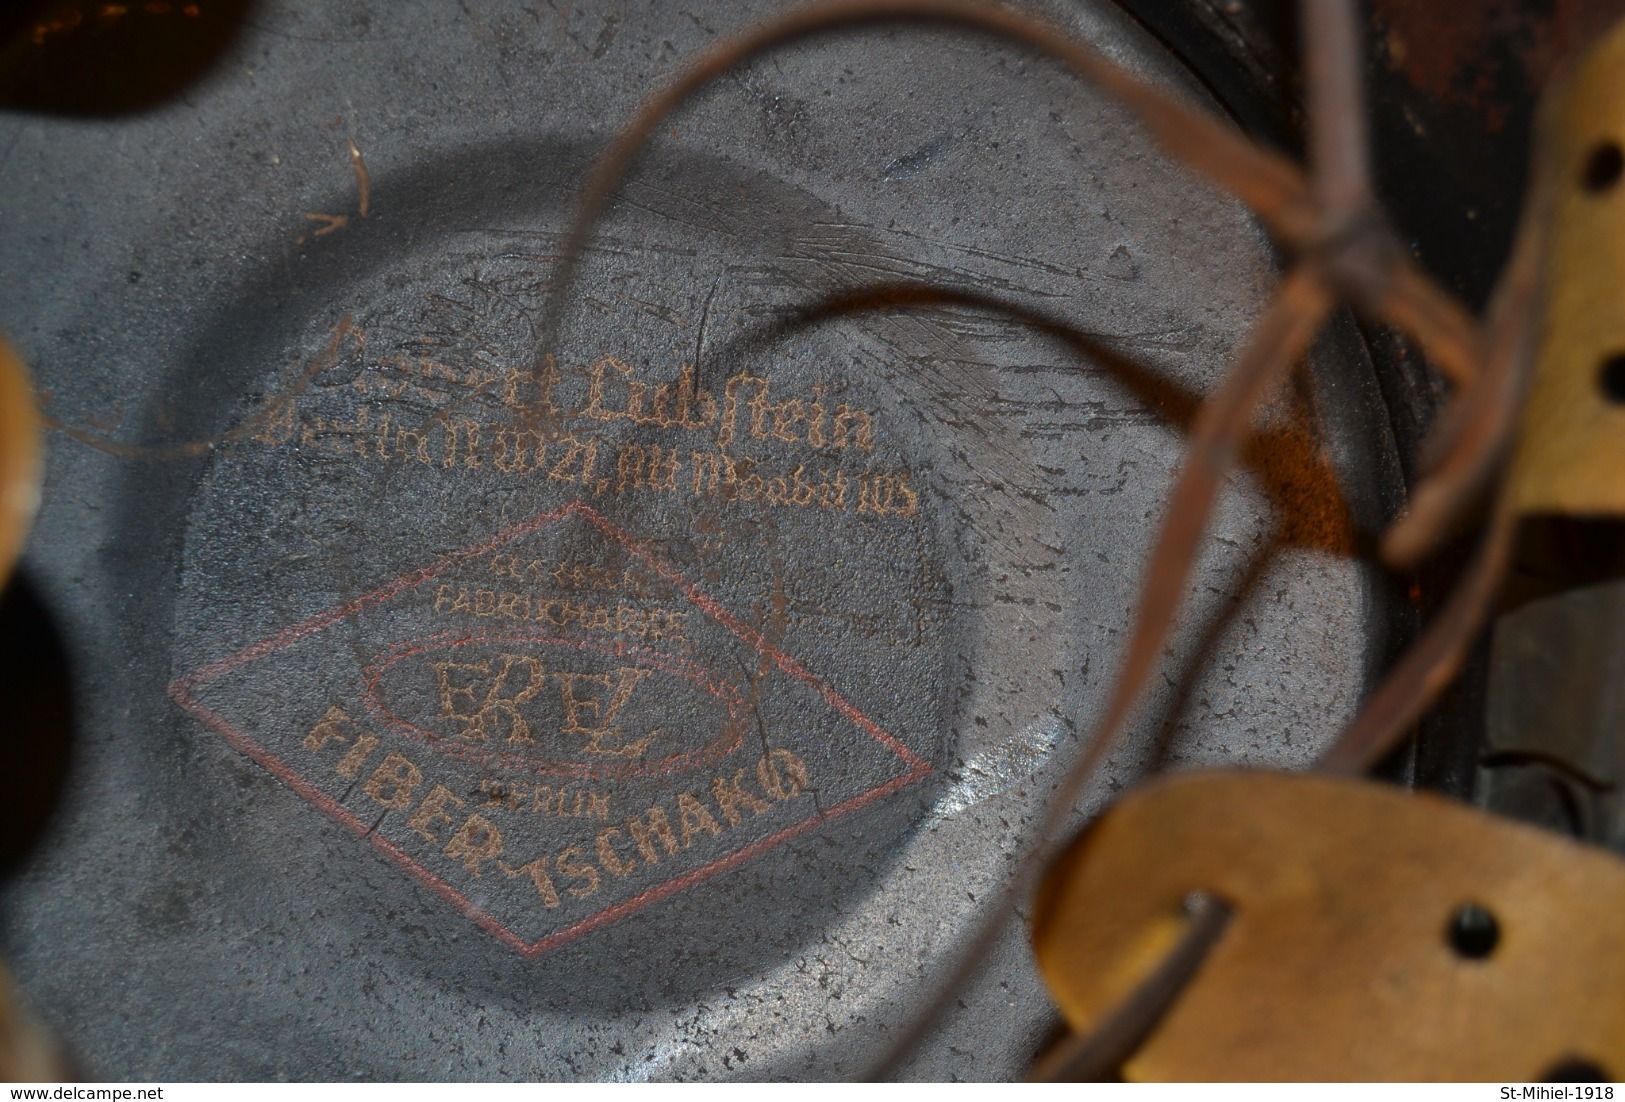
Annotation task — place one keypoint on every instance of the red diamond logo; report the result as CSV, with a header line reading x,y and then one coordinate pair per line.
x,y
551,729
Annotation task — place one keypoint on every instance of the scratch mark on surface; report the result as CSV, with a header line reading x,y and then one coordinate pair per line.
x,y
1004,763
705,317
654,309
678,209
912,164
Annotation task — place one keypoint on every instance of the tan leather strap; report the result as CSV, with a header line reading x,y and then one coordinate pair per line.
x,y
1340,960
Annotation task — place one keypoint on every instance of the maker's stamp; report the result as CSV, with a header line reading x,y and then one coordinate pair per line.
x,y
544,759
657,608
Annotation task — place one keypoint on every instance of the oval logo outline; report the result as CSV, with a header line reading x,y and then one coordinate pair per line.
x,y
729,694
